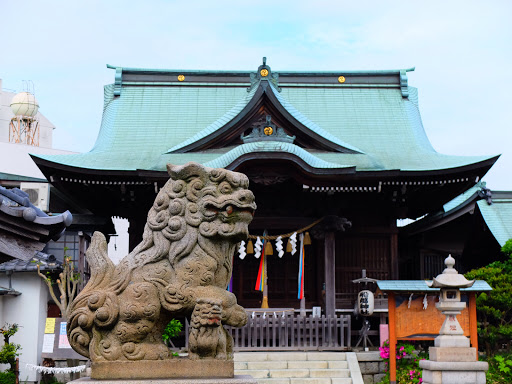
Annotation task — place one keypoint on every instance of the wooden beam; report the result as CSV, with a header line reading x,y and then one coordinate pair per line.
x,y
394,256
330,276
392,337
473,329
18,247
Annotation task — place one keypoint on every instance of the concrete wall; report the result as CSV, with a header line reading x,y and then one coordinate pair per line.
x,y
29,311
15,159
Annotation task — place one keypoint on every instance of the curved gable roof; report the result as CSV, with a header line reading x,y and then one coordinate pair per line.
x,y
370,122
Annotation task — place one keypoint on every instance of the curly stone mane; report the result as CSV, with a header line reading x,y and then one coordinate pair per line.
x,y
185,256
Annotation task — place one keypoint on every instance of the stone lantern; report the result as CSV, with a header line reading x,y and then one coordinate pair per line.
x,y
452,360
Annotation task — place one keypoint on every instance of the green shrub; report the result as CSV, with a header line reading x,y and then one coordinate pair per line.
x,y
494,309
7,377
407,363
172,329
500,369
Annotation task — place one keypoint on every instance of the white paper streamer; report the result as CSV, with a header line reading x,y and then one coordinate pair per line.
x,y
293,242
279,246
409,303
425,302
50,370
258,245
241,250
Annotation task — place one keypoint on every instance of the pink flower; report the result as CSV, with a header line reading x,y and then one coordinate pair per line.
x,y
384,352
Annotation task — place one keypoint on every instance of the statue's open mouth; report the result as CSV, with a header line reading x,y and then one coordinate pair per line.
x,y
229,208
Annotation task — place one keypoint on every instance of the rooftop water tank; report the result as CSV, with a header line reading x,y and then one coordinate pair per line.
x,y
24,104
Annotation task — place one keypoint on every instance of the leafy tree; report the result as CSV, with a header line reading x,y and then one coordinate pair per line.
x,y
67,284
494,309
10,351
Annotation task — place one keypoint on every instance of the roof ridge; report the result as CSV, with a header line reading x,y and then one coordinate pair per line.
x,y
229,157
219,123
311,125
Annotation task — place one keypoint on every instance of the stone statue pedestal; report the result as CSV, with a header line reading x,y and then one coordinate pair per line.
x,y
451,372
162,369
242,379
452,361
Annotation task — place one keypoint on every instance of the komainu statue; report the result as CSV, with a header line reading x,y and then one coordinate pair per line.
x,y
181,268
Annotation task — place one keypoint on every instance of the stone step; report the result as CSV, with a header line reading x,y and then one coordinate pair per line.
x,y
239,365
329,373
295,367
306,381
308,364
274,381
256,373
290,373
289,356
337,364
297,372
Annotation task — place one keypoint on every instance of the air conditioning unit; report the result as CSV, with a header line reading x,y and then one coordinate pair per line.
x,y
38,193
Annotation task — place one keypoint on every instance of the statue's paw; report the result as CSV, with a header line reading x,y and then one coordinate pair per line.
x,y
176,299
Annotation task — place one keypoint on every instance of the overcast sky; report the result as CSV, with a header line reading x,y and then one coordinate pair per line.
x,y
462,51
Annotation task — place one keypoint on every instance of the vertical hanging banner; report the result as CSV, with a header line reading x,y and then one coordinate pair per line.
x,y
230,285
260,281
300,293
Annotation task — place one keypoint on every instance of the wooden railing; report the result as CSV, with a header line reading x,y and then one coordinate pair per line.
x,y
287,332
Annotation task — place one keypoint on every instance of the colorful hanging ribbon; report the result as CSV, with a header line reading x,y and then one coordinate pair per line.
x,y
260,281
230,285
300,294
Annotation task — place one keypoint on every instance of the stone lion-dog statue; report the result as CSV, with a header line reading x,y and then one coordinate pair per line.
x,y
181,268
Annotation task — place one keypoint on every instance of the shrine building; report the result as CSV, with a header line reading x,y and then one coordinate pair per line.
x,y
347,148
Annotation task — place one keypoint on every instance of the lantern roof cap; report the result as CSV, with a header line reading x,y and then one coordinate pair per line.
x,y
450,278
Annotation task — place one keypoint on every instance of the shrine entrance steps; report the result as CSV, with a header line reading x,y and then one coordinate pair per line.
x,y
299,367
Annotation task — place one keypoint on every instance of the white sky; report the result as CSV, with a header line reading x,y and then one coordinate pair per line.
x,y
461,50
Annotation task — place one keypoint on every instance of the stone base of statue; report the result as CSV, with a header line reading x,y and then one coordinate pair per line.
x,y
242,379
172,371
453,361
158,369
450,372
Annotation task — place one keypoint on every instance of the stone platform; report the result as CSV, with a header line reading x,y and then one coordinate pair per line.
x,y
162,369
450,372
233,380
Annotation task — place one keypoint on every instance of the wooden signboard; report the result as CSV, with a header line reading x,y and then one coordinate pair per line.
x,y
55,341
413,322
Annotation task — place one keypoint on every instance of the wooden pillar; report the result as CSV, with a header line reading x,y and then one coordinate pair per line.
x,y
135,232
330,276
394,256
473,329
392,337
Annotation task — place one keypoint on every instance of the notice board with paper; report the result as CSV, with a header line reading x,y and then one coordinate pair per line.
x,y
55,341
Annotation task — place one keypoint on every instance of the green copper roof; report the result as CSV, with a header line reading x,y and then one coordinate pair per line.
x,y
454,203
271,146
498,217
421,286
149,113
